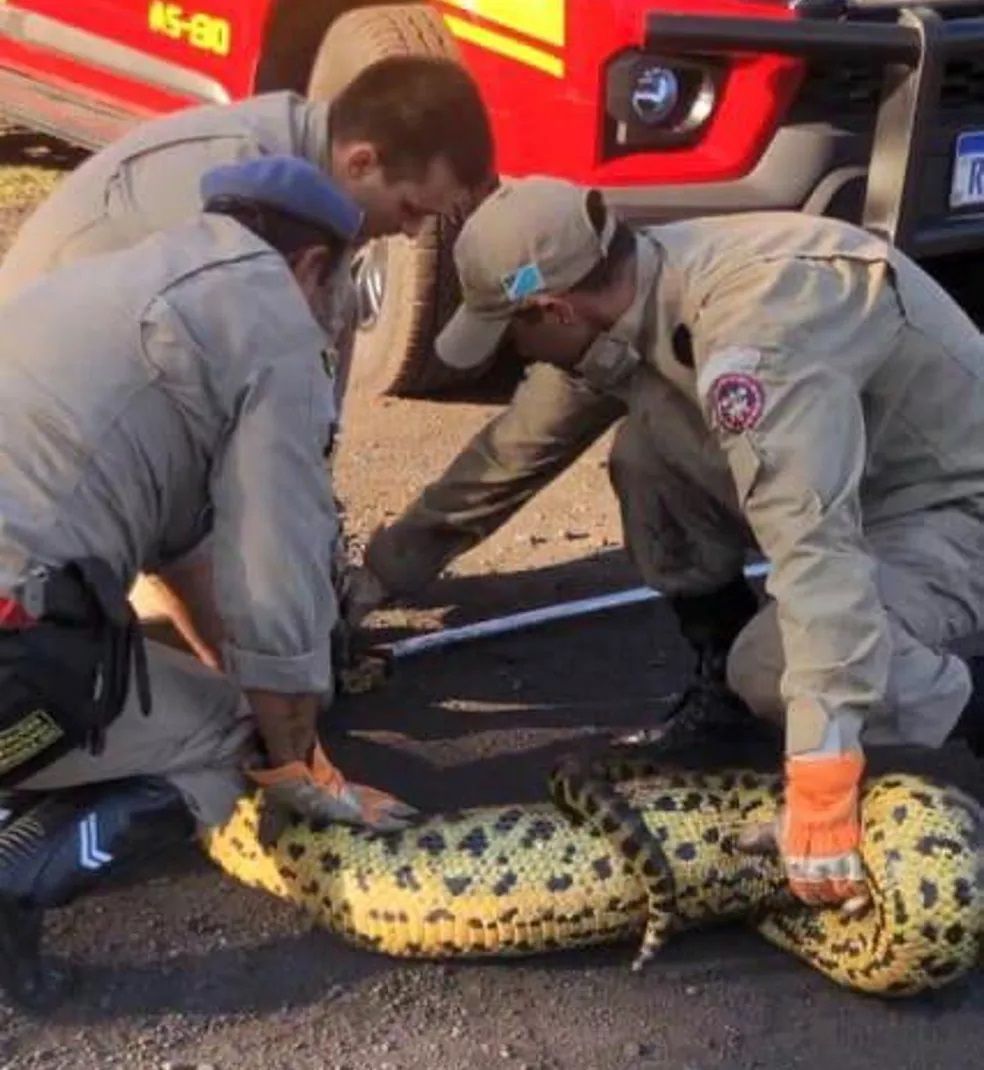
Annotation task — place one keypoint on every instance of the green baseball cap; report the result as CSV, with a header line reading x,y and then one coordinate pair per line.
x,y
531,236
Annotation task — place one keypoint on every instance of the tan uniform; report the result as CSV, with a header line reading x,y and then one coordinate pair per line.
x,y
148,180
176,393
800,387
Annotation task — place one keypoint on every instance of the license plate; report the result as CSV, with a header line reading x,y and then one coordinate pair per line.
x,y
968,171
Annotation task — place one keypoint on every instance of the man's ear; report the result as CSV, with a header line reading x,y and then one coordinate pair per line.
x,y
356,159
555,310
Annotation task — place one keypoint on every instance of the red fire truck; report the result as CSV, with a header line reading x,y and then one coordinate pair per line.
x,y
865,109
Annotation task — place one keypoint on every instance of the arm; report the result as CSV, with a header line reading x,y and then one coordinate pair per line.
x,y
551,420
789,417
797,473
274,529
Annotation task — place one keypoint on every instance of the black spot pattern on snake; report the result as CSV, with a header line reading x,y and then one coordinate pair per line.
x,y
602,868
540,831
631,847
439,914
691,801
570,853
508,820
954,934
666,803
560,882
331,862
962,892
898,902
686,852
476,843
457,885
406,878
712,835
928,845
508,915
296,851
433,843
504,884
899,814
929,892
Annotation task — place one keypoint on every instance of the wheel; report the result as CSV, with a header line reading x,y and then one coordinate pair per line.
x,y
407,289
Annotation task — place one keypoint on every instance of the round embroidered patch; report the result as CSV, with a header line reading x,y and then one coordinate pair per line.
x,y
739,401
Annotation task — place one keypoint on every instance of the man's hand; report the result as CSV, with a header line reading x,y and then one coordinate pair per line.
x,y
301,780
819,831
360,592
317,791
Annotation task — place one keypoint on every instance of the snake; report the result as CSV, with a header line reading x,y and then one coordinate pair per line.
x,y
625,849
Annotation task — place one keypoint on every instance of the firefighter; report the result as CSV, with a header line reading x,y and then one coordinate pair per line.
x,y
789,384
408,139
177,392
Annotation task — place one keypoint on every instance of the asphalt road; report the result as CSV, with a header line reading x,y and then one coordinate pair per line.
x,y
183,968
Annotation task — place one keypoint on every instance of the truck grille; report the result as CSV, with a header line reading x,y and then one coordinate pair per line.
x,y
849,91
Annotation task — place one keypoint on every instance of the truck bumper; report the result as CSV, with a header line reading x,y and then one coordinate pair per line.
x,y
904,177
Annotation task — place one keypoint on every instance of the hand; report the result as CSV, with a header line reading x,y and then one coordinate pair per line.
x,y
818,833
360,592
317,791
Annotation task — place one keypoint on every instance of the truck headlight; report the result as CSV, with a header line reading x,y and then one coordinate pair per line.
x,y
653,101
655,94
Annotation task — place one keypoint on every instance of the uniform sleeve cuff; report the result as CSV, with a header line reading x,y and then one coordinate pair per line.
x,y
403,565
304,674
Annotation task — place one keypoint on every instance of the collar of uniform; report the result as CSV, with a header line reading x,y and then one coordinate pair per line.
x,y
634,320
316,134
666,293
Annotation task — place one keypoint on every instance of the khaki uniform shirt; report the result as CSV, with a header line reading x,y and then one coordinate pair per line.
x,y
839,387
148,180
177,392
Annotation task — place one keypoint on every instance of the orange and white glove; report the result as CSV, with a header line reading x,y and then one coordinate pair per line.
x,y
818,833
317,791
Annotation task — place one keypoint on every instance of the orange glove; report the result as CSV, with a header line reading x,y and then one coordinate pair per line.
x,y
819,831
317,791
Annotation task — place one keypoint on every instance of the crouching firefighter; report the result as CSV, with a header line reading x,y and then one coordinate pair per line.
x,y
157,397
789,385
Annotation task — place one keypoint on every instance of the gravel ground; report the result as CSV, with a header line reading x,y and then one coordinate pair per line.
x,y
184,969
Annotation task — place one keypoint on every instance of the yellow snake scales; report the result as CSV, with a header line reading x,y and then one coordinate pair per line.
x,y
626,849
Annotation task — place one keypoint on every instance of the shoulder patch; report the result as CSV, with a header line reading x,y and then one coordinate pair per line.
x,y
733,393
737,401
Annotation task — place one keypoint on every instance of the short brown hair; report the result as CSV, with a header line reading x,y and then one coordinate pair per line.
x,y
415,109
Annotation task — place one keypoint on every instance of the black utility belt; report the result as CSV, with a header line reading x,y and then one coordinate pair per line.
x,y
65,666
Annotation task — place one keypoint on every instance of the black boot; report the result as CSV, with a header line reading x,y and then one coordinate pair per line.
x,y
57,850
970,727
707,709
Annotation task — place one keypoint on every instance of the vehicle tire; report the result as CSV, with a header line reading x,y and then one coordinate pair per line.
x,y
408,289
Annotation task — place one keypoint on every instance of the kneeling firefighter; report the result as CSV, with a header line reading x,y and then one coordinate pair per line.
x,y
150,399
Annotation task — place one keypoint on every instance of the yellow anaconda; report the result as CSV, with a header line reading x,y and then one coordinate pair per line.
x,y
613,857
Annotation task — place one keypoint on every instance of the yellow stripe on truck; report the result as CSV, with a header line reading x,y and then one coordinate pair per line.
x,y
543,20
506,46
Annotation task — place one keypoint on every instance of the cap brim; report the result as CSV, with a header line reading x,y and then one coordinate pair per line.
x,y
469,340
